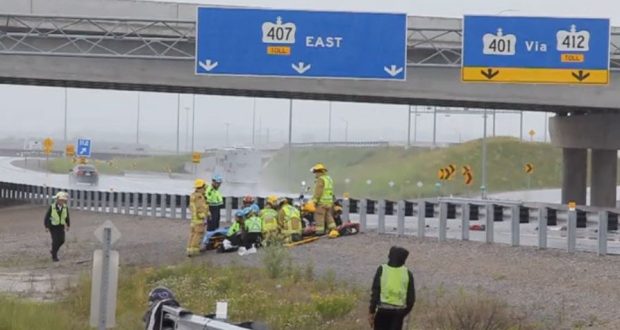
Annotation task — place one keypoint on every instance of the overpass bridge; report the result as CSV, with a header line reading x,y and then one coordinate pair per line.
x,y
149,46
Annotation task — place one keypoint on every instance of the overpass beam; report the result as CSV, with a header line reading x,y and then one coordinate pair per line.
x,y
604,169
574,175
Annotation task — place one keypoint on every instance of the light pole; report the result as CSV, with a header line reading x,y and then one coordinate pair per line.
x,y
227,129
193,120
290,142
254,122
493,122
546,125
187,128
415,124
409,127
138,122
178,120
329,127
434,126
66,108
483,187
521,126
346,129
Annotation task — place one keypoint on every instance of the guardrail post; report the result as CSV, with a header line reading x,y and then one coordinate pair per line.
x,y
421,219
488,218
465,222
602,232
98,200
135,206
400,217
346,210
153,205
88,200
126,199
542,228
144,205
183,207
515,222
363,222
572,231
381,216
228,201
173,206
443,221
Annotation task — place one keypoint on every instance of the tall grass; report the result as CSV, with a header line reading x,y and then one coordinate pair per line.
x,y
117,166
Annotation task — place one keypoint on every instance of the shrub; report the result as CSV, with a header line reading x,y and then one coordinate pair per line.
x,y
332,306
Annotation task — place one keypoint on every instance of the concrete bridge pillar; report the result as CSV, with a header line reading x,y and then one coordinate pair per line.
x,y
576,133
574,175
604,169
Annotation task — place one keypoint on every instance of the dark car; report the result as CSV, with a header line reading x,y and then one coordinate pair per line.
x,y
84,174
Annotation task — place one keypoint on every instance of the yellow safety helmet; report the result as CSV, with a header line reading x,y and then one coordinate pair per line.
x,y
272,199
199,183
333,234
318,167
309,207
61,195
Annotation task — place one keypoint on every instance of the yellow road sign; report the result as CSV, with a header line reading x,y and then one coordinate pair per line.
x,y
70,150
196,157
48,146
528,168
469,178
538,76
532,132
441,174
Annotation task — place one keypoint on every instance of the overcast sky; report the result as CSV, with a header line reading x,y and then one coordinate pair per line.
x,y
111,115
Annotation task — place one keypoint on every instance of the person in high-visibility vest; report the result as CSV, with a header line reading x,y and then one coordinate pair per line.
x,y
234,236
215,201
57,221
200,212
289,221
253,229
393,292
323,198
269,217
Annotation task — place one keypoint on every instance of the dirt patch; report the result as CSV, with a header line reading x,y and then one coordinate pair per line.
x,y
549,284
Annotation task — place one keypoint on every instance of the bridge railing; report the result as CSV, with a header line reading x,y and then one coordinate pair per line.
x,y
405,217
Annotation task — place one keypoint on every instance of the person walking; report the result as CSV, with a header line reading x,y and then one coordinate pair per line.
x,y
393,292
215,201
323,198
57,221
200,212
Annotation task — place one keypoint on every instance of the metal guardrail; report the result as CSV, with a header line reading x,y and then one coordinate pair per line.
x,y
490,211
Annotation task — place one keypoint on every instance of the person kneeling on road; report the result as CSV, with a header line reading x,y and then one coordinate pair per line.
x,y
200,212
289,221
393,292
253,226
234,235
57,222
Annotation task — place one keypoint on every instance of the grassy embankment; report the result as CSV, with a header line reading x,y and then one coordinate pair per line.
x,y
506,158
118,166
281,295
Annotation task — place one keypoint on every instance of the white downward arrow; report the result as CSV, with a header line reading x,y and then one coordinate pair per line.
x,y
393,70
301,67
208,65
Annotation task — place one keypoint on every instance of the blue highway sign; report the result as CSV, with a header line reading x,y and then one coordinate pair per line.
x,y
294,43
84,147
536,50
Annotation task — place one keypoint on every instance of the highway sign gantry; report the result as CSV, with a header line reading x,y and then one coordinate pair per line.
x,y
84,147
295,43
535,50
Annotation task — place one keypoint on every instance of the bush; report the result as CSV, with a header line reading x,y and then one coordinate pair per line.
x,y
276,259
332,306
465,310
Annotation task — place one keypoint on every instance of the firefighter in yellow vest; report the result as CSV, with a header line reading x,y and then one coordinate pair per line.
x,y
323,198
216,202
289,221
269,217
393,292
200,212
57,222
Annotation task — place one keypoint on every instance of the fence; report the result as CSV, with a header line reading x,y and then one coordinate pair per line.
x,y
442,209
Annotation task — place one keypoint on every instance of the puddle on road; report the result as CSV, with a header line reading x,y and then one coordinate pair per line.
x,y
36,285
